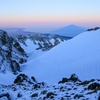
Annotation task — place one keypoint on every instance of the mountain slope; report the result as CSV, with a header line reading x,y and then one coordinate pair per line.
x,y
11,56
36,44
71,31
80,55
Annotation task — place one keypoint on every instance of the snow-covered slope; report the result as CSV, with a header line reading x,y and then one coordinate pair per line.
x,y
36,44
71,31
80,55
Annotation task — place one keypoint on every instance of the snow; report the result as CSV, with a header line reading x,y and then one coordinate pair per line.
x,y
80,55
52,41
5,47
34,54
7,78
30,47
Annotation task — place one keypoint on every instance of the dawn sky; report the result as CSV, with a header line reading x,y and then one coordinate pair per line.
x,y
48,15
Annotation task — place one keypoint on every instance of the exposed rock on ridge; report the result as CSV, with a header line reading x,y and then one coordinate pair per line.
x,y
11,54
43,42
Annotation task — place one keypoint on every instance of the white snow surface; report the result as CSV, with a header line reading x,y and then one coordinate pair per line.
x,y
30,49
30,46
80,55
7,78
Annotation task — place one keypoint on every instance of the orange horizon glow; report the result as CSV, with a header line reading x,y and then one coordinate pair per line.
x,y
49,14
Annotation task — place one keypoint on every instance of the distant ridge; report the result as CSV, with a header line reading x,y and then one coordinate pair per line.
x,y
71,31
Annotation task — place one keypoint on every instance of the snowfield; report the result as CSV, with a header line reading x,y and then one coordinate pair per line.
x,y
67,71
80,55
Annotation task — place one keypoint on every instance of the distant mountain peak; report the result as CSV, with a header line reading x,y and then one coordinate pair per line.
x,y
72,25
70,30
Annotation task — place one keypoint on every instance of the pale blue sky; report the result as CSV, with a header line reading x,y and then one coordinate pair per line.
x,y
48,15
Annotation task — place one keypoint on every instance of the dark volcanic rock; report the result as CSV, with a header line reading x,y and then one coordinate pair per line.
x,y
5,95
73,78
93,86
23,79
49,94
93,29
11,53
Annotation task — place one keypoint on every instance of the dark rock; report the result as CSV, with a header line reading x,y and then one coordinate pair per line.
x,y
44,92
38,85
49,94
15,66
19,95
52,96
33,78
34,95
23,79
44,98
11,53
93,86
93,29
77,96
99,97
63,80
5,95
90,92
74,78
84,82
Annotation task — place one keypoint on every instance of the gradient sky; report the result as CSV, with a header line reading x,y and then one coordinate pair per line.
x,y
48,15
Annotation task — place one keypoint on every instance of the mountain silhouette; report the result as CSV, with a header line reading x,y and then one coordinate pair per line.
x,y
71,31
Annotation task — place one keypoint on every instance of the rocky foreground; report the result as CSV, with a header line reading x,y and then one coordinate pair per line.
x,y
25,88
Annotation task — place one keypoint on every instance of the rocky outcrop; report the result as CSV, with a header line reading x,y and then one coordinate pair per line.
x,y
11,54
43,42
23,79
93,29
5,96
73,89
73,78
